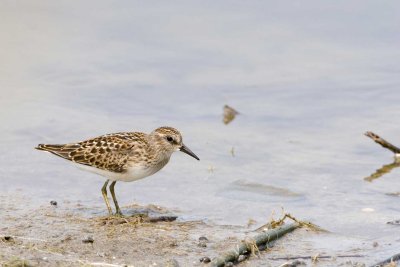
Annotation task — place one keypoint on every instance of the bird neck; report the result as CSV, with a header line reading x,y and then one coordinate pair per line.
x,y
160,151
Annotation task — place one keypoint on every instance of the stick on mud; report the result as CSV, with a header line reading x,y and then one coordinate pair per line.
x,y
259,240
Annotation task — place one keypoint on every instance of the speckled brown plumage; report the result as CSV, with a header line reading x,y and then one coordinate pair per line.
x,y
126,156
108,152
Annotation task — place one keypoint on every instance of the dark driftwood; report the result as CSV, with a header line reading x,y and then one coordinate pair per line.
x,y
259,240
394,258
383,142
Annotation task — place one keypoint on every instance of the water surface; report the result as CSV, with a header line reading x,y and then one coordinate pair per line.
x,y
308,80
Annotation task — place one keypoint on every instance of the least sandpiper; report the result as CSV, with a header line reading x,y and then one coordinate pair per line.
x,y
127,156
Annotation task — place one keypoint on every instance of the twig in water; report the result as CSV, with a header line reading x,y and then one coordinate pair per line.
x,y
383,142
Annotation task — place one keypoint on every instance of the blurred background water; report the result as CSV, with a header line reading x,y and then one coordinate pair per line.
x,y
309,78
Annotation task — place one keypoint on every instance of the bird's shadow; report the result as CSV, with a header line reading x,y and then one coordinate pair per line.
x,y
383,170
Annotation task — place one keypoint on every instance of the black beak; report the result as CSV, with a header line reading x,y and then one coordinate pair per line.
x,y
186,150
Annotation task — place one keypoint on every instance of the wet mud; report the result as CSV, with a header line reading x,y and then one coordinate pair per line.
x,y
72,234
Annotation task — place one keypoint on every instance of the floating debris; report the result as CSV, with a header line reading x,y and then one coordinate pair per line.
x,y
229,114
233,151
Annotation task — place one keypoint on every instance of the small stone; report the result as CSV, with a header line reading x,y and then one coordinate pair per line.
x,y
375,244
202,242
229,264
87,240
203,238
8,238
53,203
205,260
173,243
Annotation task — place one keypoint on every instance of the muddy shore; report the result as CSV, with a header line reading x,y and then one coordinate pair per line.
x,y
71,234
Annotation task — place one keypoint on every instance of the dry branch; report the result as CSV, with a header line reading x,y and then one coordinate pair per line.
x,y
383,142
259,240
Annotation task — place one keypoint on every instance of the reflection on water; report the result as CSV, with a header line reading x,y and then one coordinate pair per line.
x,y
388,167
383,170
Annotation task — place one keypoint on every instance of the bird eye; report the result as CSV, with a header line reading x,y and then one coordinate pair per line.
x,y
170,139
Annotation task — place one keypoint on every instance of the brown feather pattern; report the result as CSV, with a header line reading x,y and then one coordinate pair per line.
x,y
108,152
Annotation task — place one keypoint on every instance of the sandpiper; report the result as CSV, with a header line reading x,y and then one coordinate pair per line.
x,y
126,156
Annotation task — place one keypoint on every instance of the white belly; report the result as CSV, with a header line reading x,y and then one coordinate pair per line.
x,y
132,173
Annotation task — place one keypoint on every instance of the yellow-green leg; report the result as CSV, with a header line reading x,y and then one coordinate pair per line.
x,y
117,209
104,193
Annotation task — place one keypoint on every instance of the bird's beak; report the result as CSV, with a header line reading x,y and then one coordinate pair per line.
x,y
186,150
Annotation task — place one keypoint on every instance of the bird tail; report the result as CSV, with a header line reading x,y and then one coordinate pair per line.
x,y
58,150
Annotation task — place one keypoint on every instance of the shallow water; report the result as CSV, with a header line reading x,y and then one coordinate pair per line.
x,y
306,92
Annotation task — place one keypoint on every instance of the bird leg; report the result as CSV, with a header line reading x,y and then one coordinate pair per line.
x,y
104,193
117,209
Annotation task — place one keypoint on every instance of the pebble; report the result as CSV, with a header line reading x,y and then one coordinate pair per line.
x,y
202,242
53,203
203,238
205,260
8,238
173,243
89,239
229,264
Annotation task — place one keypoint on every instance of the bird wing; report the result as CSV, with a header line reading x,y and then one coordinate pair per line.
x,y
108,152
